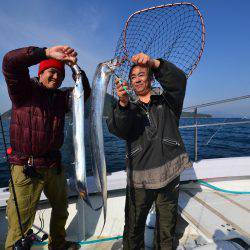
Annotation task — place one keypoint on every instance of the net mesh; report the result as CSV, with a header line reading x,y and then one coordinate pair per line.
x,y
174,32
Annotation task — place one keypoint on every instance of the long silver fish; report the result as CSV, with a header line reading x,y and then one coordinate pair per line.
x,y
78,134
98,93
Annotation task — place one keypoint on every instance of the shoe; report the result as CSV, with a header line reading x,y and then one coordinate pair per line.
x,y
67,245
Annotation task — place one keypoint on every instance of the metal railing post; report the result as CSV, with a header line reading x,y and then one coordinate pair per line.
x,y
195,136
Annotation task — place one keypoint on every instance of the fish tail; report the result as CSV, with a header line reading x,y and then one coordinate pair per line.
x,y
88,202
104,220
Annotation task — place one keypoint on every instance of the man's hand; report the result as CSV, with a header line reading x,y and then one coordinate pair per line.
x,y
62,53
143,59
122,94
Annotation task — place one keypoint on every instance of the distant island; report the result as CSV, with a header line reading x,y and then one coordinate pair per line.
x,y
110,99
6,115
191,114
108,106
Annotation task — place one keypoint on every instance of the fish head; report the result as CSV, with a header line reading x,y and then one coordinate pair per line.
x,y
76,69
112,64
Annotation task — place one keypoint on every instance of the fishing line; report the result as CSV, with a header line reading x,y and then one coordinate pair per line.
x,y
11,180
215,133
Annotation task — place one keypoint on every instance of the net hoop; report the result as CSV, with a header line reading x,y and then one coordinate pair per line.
x,y
167,6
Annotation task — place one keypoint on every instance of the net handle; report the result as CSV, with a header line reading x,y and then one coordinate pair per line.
x,y
166,6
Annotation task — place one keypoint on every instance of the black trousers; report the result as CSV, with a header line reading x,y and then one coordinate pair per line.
x,y
138,204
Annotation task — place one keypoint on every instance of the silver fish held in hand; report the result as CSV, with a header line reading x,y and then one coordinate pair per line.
x,y
98,93
78,134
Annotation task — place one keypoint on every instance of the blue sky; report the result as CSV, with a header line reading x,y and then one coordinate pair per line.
x,y
93,28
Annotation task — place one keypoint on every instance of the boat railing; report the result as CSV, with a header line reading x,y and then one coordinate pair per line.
x,y
196,117
195,125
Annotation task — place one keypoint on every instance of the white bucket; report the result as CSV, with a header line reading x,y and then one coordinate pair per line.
x,y
149,229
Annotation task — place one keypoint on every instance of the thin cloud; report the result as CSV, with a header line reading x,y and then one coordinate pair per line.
x,y
19,32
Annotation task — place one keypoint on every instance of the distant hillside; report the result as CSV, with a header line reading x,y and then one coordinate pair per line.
x,y
108,107
6,115
110,99
191,114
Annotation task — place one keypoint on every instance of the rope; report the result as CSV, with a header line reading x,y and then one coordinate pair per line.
x,y
204,183
88,242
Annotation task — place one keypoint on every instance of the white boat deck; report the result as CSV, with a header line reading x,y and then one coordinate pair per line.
x,y
216,215
207,215
211,214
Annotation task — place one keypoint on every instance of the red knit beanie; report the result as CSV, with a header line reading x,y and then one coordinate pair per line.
x,y
51,63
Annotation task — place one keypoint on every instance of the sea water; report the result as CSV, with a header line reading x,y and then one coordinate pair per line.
x,y
213,142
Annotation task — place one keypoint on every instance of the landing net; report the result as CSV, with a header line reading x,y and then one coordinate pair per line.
x,y
174,32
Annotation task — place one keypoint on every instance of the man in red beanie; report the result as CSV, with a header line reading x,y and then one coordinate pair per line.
x,y
36,136
51,66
